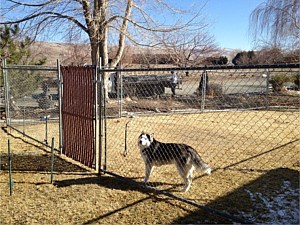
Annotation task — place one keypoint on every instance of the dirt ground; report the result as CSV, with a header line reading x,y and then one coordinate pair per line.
x,y
255,154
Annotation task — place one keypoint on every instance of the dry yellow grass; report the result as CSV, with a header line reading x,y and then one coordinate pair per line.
x,y
247,149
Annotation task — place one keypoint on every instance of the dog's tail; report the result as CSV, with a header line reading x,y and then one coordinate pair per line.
x,y
199,163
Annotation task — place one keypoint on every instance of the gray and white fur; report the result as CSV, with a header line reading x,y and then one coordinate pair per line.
x,y
186,159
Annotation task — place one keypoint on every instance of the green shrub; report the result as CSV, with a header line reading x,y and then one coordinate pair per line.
x,y
278,80
296,79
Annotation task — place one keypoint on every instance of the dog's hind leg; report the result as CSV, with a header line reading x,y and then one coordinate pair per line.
x,y
186,172
188,183
190,172
149,169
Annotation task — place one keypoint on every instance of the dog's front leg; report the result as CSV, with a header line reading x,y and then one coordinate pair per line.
x,y
149,169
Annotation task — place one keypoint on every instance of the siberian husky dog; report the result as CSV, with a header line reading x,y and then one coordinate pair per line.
x,y
186,159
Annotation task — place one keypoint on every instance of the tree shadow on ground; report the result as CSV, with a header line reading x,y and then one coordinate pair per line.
x,y
38,163
240,202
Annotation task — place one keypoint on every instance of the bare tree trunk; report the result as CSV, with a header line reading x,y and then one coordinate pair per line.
x,y
94,53
103,53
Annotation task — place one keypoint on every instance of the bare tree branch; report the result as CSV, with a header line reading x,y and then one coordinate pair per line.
x,y
278,20
118,21
33,5
51,15
122,33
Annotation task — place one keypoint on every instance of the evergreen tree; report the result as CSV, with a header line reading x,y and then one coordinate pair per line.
x,y
245,58
17,51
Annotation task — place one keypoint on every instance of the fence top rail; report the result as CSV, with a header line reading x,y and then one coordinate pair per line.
x,y
221,67
30,67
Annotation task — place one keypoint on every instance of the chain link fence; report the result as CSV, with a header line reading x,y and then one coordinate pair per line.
x,y
239,120
239,113
32,102
204,90
242,121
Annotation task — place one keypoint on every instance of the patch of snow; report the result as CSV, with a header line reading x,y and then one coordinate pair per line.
x,y
281,209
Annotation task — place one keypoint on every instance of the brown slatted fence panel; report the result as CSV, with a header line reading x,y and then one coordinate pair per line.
x,y
78,114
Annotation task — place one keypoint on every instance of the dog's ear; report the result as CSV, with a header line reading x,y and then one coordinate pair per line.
x,y
152,136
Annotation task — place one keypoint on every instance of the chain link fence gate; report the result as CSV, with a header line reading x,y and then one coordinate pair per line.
x,y
43,102
243,121
31,97
78,114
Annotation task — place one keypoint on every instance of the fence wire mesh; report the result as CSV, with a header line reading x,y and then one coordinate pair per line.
x,y
233,117
33,102
242,123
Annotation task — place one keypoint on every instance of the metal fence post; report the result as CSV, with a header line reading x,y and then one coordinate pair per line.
x,y
267,88
6,93
10,181
24,110
119,90
60,93
121,94
101,120
105,129
52,160
203,89
97,129
46,128
99,100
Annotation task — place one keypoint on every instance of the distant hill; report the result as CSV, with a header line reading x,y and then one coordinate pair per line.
x,y
77,54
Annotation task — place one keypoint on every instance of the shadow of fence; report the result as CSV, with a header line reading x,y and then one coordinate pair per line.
x,y
37,163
